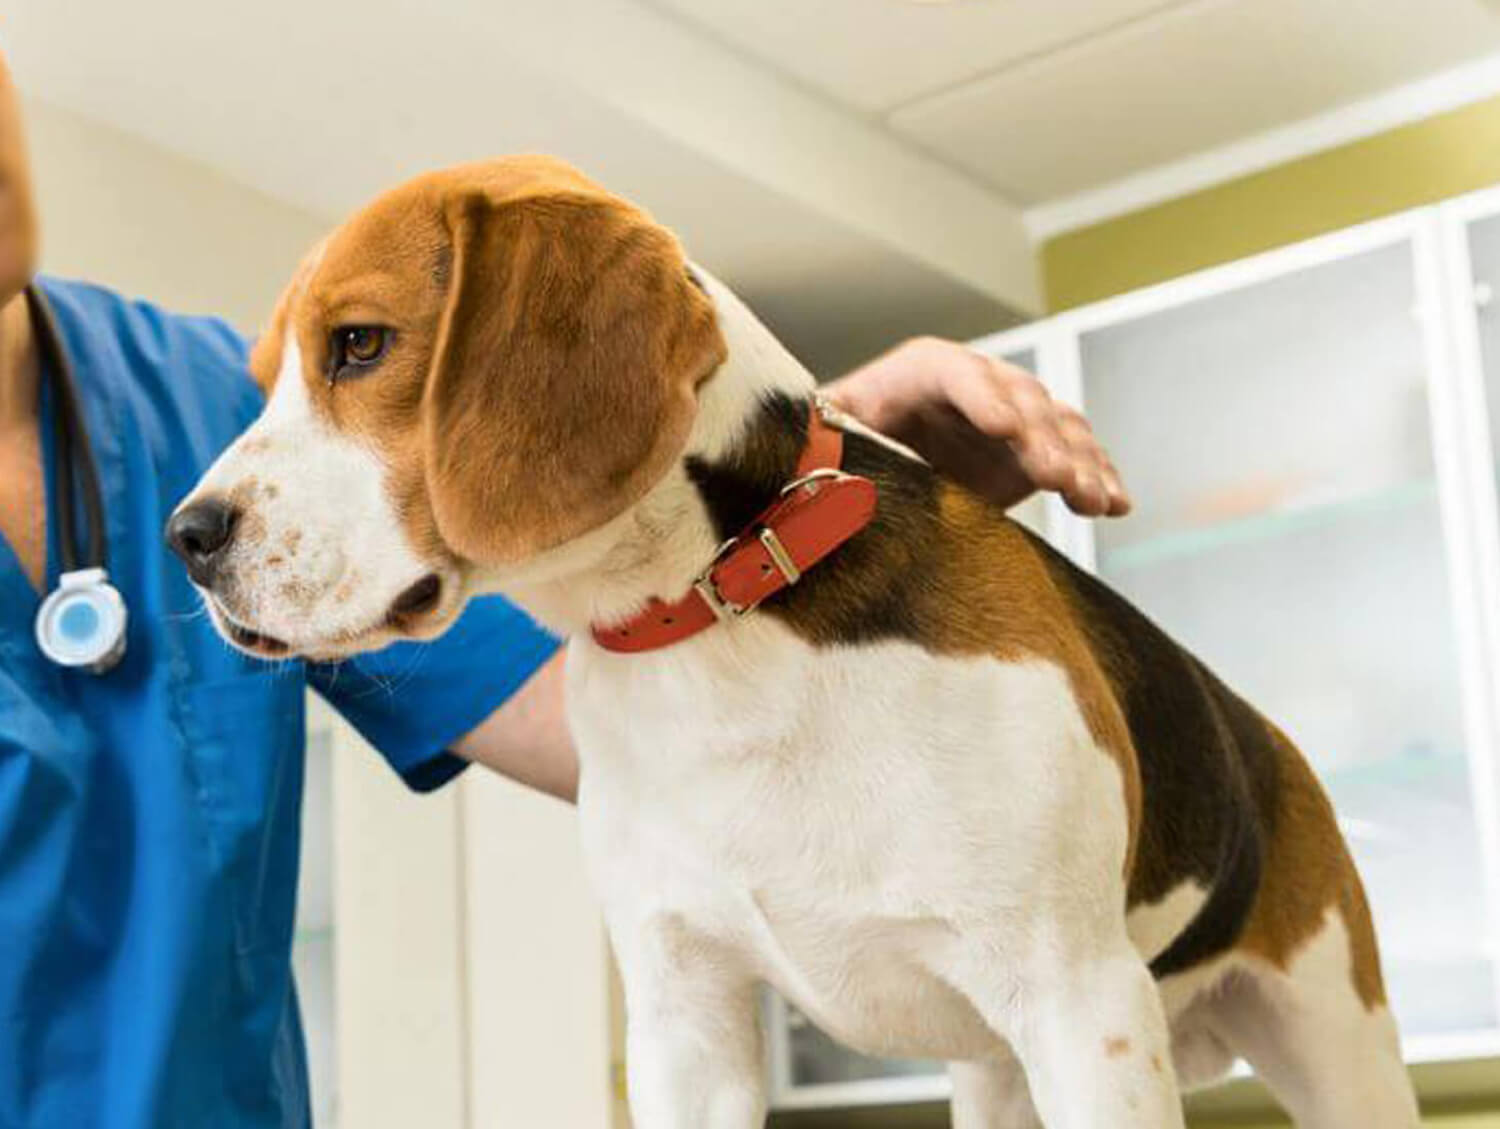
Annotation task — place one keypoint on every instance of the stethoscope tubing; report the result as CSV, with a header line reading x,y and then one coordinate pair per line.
x,y
72,449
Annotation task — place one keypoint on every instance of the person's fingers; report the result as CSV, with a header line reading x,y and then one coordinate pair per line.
x,y
1120,503
1039,444
1090,492
1017,434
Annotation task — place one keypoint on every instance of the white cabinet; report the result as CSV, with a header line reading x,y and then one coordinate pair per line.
x,y
450,959
312,944
1307,438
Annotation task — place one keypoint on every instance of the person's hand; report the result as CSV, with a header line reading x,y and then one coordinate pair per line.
x,y
983,422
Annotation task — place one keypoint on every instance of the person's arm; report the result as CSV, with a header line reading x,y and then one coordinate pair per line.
x,y
527,738
986,423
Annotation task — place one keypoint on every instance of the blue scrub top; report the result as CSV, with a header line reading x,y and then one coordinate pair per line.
x,y
149,818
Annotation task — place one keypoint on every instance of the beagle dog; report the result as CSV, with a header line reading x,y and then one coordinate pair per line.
x,y
845,728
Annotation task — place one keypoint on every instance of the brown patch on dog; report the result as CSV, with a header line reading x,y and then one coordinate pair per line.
x,y
1203,785
937,565
1116,1046
1156,1064
275,560
547,346
1309,870
290,539
1013,610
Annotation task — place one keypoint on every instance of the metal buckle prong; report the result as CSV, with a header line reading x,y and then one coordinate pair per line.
x,y
828,472
779,556
723,610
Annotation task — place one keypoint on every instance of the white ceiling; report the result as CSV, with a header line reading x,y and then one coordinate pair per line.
x,y
858,168
1042,99
323,104
879,55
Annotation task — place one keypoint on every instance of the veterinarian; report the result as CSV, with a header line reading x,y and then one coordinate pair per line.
x,y
149,798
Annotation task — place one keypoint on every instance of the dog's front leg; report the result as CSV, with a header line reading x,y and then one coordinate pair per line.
x,y
693,1040
1089,1030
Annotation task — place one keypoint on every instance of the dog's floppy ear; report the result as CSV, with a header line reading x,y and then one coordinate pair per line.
x,y
565,368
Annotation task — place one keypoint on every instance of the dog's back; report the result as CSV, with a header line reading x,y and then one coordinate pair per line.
x,y
1237,888
1218,798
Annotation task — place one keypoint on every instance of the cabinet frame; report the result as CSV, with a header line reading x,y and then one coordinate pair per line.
x,y
1463,463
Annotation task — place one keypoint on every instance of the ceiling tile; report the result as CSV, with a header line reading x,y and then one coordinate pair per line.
x,y
875,55
1184,81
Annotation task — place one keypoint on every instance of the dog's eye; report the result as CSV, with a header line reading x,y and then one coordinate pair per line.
x,y
357,347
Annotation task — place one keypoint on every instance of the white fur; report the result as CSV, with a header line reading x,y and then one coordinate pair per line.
x,y
887,836
1331,1063
316,568
891,838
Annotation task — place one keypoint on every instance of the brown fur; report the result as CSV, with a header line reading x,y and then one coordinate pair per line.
x,y
945,569
1309,871
985,590
508,281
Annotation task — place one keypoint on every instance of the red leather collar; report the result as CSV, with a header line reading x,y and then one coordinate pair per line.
x,y
815,513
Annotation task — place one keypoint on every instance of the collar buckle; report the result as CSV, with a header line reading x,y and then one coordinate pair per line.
x,y
812,515
723,610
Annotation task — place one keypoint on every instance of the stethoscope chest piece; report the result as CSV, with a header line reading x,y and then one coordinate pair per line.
x,y
81,623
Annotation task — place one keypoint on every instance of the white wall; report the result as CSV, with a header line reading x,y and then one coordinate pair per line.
x,y
471,962
537,965
119,211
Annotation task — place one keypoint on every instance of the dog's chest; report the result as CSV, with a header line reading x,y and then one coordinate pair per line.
x,y
838,817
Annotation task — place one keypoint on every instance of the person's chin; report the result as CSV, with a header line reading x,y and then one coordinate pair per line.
x,y
17,249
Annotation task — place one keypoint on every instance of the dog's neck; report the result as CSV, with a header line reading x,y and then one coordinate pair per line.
x,y
661,544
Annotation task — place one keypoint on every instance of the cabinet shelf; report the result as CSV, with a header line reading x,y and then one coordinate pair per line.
x,y
1277,522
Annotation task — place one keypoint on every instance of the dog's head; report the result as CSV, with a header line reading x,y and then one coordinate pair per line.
x,y
482,365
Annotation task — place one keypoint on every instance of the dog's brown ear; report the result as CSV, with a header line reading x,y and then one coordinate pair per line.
x,y
565,368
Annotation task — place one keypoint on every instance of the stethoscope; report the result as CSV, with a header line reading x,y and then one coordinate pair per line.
x,y
81,623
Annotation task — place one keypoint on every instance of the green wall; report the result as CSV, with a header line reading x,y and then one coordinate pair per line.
x,y
1417,164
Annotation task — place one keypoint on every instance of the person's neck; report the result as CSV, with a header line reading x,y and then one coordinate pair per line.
x,y
20,371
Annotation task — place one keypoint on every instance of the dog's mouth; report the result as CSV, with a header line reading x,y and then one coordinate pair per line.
x,y
415,613
415,602
256,642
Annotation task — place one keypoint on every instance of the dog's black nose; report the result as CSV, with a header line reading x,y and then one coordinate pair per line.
x,y
199,534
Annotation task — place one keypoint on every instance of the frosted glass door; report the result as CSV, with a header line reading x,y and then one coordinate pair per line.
x,y
1287,530
1484,253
